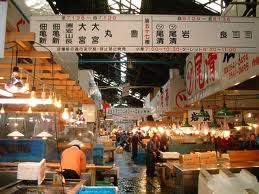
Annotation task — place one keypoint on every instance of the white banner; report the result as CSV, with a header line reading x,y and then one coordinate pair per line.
x,y
192,116
237,68
202,70
128,111
146,33
3,13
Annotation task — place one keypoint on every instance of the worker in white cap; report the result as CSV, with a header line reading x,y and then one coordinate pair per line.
x,y
73,162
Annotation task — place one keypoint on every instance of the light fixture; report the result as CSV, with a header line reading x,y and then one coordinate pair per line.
x,y
186,127
65,114
44,135
237,83
203,114
33,101
27,85
22,101
6,93
29,110
214,124
15,84
249,115
15,134
226,133
224,112
16,118
2,111
43,94
252,76
242,124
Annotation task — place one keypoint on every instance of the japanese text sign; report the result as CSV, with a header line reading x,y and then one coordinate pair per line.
x,y
202,70
192,116
146,33
128,111
3,13
236,68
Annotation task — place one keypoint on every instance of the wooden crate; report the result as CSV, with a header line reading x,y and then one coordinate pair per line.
x,y
189,159
208,157
245,155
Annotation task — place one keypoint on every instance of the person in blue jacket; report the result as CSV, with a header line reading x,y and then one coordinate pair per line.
x,y
151,154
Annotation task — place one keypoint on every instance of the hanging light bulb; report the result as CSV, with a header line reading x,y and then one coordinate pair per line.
x,y
51,94
29,110
59,105
65,114
43,94
2,111
27,85
33,102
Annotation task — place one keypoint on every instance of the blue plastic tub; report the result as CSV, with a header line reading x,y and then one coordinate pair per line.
x,y
97,190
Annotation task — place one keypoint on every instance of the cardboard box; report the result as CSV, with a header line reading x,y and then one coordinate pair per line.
x,y
208,157
190,159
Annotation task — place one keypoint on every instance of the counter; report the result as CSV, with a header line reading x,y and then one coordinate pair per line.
x,y
185,177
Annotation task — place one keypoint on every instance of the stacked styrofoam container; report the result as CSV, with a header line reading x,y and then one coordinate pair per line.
x,y
228,183
169,155
32,171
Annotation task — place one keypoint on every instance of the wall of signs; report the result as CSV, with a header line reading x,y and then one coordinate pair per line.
x,y
146,33
3,13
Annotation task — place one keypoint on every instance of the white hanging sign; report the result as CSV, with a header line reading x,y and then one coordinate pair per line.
x,y
146,33
237,68
202,70
3,13
122,112
193,113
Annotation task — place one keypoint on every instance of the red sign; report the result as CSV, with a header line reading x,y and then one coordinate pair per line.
x,y
201,71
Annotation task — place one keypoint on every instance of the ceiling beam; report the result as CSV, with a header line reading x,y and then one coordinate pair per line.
x,y
45,66
48,82
19,36
60,76
29,54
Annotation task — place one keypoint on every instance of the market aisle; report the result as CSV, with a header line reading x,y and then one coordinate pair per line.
x,y
133,180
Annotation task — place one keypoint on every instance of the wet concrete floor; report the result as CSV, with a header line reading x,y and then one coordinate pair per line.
x,y
133,179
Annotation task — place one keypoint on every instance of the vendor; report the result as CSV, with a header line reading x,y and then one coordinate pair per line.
x,y
152,149
73,162
251,143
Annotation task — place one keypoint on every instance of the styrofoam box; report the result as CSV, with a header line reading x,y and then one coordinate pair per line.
x,y
32,171
227,183
169,155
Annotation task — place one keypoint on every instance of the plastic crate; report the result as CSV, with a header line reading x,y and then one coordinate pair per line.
x,y
98,190
98,152
141,157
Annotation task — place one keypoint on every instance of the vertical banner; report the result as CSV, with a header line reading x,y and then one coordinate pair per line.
x,y
202,70
3,13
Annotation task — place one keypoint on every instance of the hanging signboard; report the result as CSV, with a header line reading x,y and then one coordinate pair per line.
x,y
192,116
230,70
3,13
237,68
202,70
146,33
128,111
